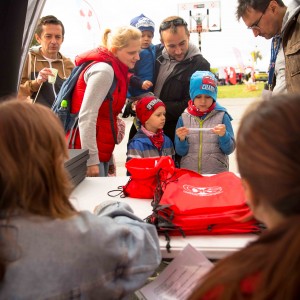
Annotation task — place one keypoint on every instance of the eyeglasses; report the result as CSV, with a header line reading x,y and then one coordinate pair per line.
x,y
256,24
167,24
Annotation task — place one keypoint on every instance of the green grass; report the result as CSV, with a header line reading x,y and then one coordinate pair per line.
x,y
240,91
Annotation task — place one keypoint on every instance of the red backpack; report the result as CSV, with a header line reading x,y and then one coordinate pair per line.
x,y
188,203
145,175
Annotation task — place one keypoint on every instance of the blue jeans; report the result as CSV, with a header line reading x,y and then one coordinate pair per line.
x,y
103,169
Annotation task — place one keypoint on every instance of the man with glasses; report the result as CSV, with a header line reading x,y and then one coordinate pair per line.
x,y
176,60
272,19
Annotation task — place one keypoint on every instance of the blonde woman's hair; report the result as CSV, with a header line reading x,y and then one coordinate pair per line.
x,y
33,150
120,37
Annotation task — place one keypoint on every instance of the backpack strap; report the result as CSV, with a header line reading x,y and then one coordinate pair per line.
x,y
72,133
29,65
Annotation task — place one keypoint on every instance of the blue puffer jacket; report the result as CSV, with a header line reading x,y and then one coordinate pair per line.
x,y
140,146
143,70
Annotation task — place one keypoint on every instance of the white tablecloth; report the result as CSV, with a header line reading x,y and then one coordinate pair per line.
x,y
93,190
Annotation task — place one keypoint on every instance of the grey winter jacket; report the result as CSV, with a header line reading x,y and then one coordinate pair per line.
x,y
205,152
207,158
84,257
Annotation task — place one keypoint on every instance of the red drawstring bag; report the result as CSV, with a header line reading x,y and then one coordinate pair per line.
x,y
188,203
144,175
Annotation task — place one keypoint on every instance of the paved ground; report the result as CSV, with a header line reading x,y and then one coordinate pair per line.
x,y
236,108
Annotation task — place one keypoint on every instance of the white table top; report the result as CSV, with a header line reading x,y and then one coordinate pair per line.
x,y
93,190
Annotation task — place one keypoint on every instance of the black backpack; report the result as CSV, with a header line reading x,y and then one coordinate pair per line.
x,y
68,119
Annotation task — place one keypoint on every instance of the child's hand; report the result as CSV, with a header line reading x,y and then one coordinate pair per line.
x,y
182,132
93,171
146,85
220,129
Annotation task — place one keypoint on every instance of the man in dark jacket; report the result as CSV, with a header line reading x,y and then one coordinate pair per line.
x,y
176,60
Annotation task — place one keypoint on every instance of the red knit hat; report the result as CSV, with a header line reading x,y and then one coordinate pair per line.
x,y
146,106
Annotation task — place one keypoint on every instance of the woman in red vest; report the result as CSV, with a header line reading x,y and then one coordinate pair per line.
x,y
100,94
268,143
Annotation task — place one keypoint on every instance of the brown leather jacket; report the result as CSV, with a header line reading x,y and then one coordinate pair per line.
x,y
291,48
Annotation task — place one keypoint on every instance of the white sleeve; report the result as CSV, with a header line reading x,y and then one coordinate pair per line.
x,y
98,78
280,86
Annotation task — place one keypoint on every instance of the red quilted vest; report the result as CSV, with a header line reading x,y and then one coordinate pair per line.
x,y
105,138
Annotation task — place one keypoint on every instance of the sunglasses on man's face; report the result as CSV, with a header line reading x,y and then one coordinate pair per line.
x,y
167,24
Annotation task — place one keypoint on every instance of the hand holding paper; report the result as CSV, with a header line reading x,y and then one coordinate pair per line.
x,y
178,279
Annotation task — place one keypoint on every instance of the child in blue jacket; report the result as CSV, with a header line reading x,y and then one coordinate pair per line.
x,y
142,77
150,140
143,73
204,135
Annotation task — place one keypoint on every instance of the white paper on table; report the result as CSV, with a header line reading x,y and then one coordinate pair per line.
x,y
179,278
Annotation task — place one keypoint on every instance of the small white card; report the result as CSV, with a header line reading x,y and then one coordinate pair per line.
x,y
179,278
200,129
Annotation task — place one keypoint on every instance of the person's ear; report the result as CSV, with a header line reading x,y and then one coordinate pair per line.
x,y
273,6
38,39
114,51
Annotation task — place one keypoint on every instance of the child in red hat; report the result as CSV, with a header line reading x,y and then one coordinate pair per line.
x,y
150,141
